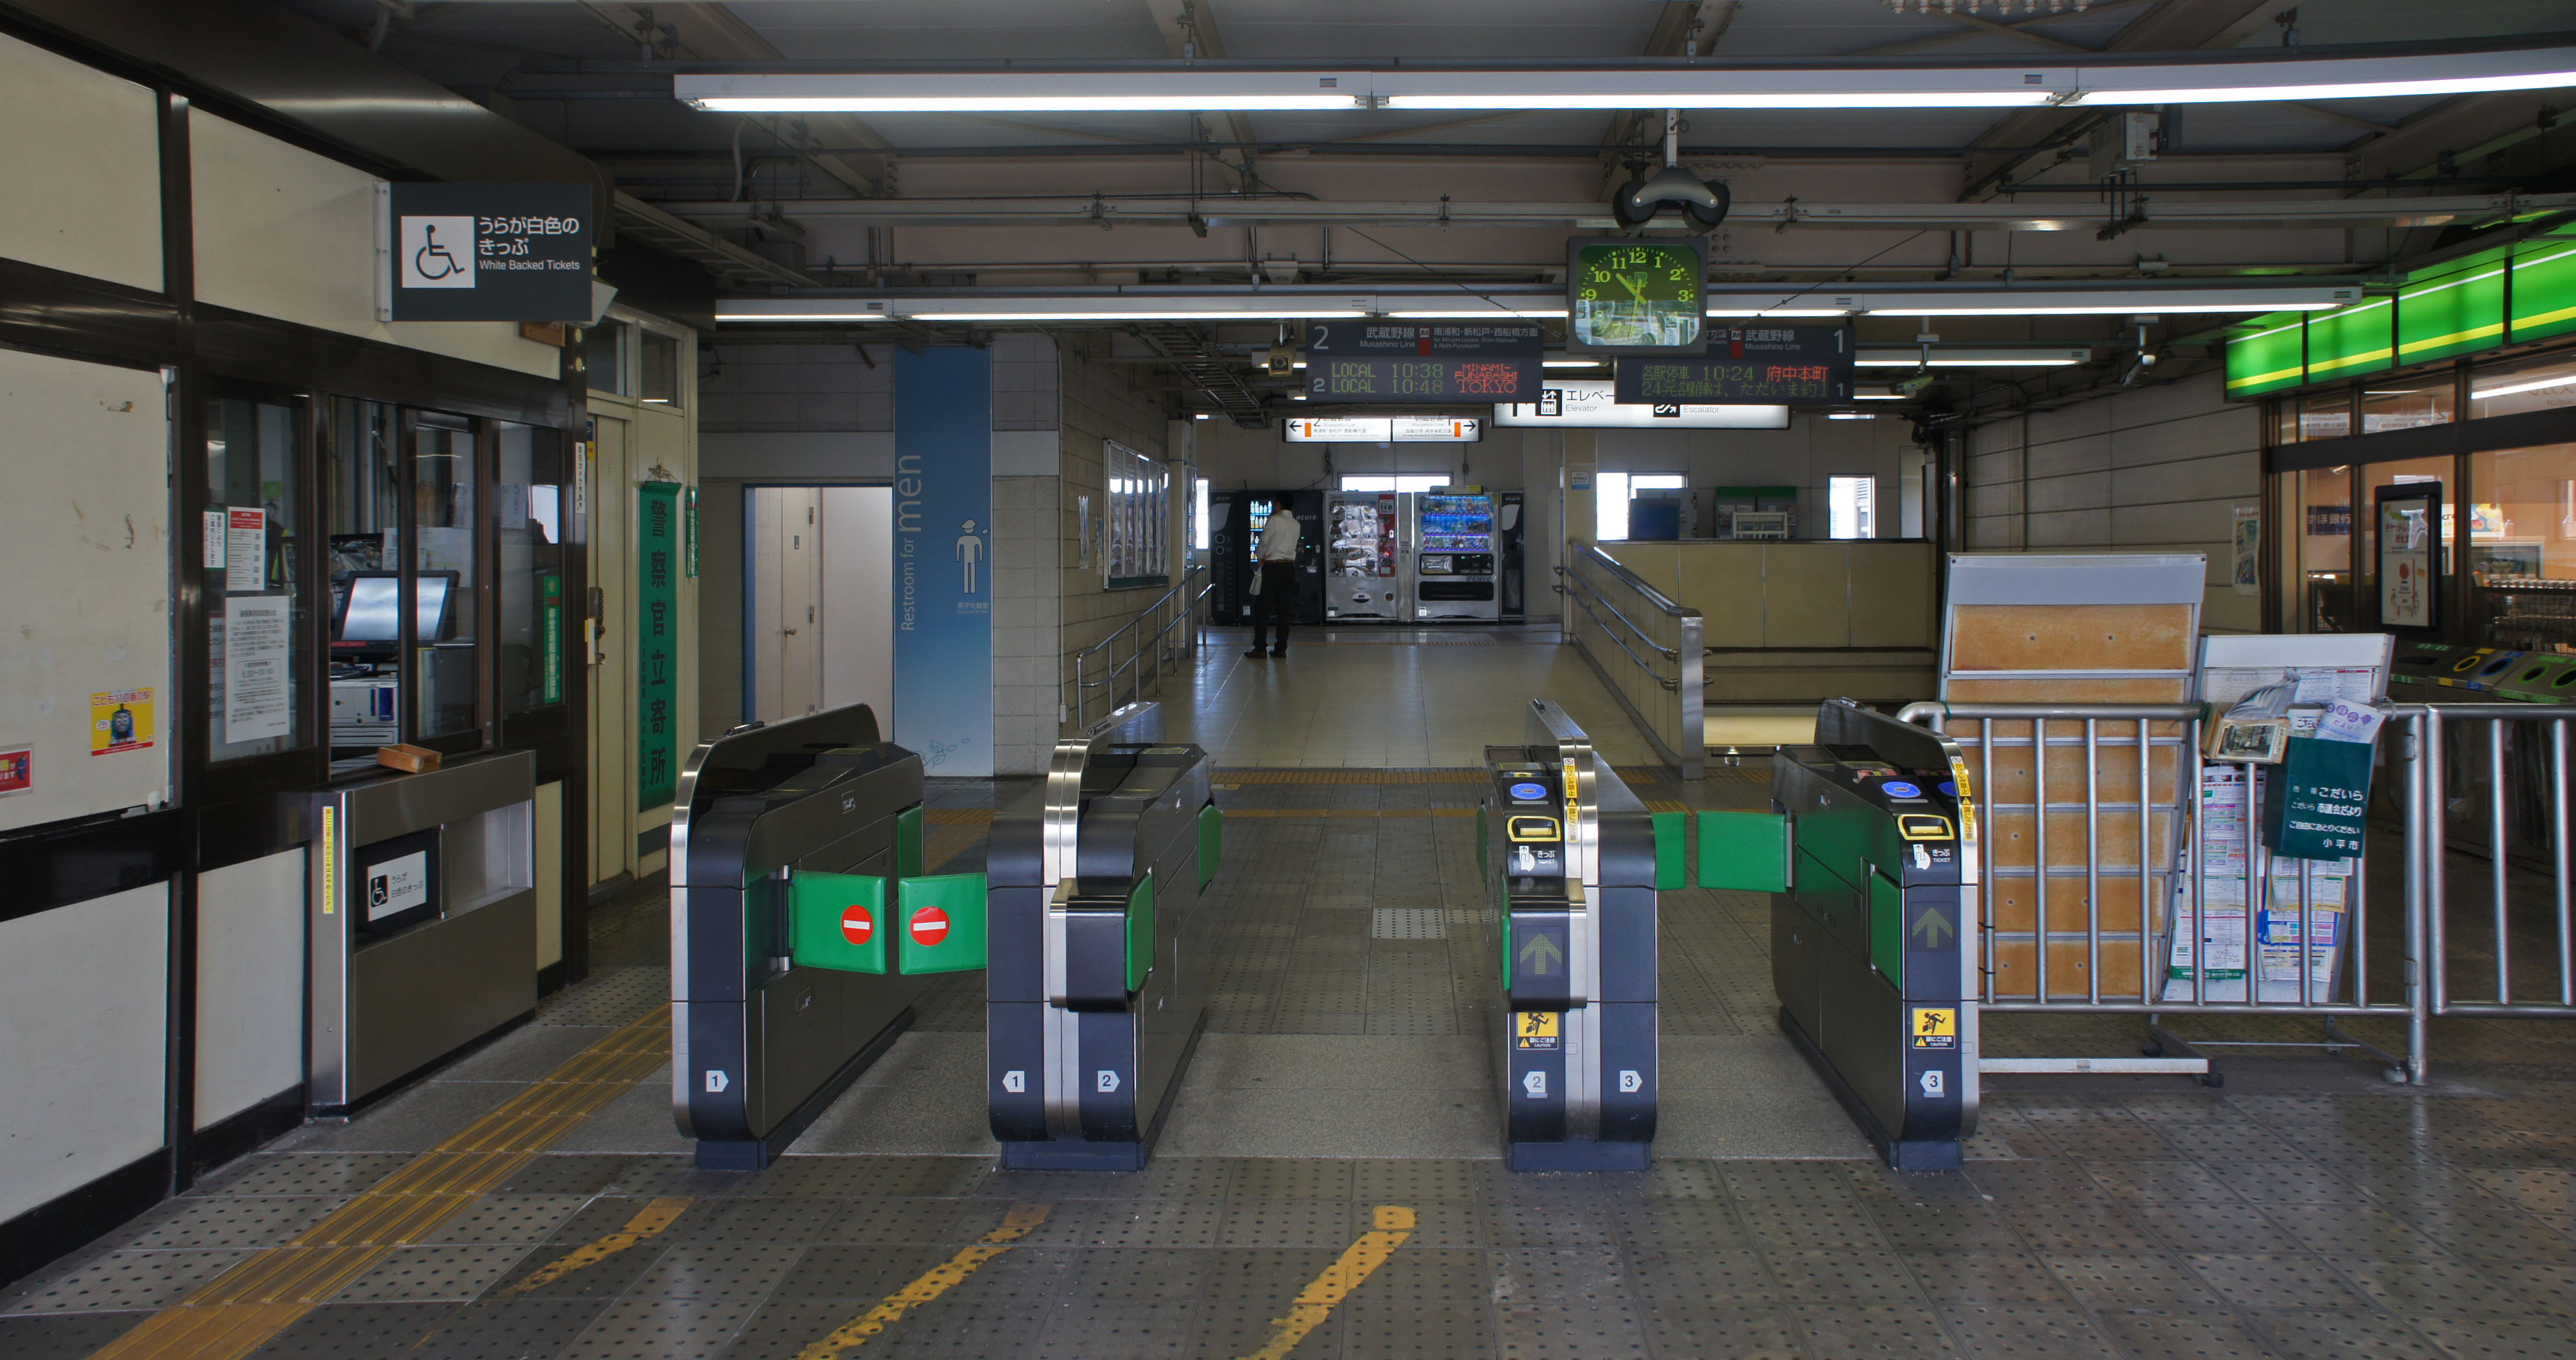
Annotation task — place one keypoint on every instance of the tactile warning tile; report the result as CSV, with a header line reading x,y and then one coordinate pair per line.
x,y
1409,923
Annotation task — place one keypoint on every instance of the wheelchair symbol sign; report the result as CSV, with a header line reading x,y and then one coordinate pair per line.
x,y
437,252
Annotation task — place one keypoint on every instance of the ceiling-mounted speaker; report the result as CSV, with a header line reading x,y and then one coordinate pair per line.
x,y
1703,202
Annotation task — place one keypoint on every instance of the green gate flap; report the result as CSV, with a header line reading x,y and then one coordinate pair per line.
x,y
943,923
907,842
1140,931
1887,929
1743,851
1671,830
837,921
1211,842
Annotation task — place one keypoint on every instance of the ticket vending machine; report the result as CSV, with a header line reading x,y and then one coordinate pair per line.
x,y
1239,517
1455,554
1363,576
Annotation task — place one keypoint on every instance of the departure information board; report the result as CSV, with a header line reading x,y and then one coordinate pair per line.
x,y
1760,365
1414,361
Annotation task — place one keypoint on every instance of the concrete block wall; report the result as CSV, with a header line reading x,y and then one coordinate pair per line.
x,y
1101,401
2160,469
776,388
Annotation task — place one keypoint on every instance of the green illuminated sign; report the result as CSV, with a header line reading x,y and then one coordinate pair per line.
x,y
2458,307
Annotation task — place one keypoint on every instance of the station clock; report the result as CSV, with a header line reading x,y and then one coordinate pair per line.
x,y
1631,295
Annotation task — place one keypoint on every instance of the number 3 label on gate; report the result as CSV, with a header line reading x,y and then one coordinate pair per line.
x,y
1936,1028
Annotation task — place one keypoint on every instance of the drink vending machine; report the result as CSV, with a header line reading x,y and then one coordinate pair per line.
x,y
1454,555
1361,558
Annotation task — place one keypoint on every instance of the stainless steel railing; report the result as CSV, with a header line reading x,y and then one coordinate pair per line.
x,y
2516,819
1119,659
1645,647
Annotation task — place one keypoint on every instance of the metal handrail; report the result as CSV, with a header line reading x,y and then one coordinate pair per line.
x,y
1642,663
1668,653
1193,587
1657,598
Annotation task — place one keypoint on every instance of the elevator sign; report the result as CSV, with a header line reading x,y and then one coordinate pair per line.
x,y
484,252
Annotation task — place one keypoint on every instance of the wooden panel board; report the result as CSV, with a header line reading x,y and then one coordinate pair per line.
x,y
2093,637
2066,904
2015,845
2069,968
2116,777
2065,690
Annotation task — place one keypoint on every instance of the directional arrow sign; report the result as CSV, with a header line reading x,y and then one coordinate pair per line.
x,y
1540,955
1931,926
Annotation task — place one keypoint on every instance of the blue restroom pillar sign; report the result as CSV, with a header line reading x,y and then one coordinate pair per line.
x,y
943,518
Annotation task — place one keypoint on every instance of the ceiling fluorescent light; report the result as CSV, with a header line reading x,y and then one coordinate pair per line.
x,y
2111,308
1168,314
773,315
1940,360
1022,91
2329,78
1770,312
1480,314
2517,389
1720,88
1569,363
1720,99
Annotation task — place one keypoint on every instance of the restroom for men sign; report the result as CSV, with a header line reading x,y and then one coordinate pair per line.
x,y
484,252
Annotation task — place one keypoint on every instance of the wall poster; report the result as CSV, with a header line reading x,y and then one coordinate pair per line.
x,y
943,541
2410,527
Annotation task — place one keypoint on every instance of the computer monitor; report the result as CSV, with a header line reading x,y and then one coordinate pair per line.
x,y
371,610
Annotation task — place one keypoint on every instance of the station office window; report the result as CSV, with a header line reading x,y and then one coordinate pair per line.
x,y
604,358
1851,507
1611,492
657,368
256,613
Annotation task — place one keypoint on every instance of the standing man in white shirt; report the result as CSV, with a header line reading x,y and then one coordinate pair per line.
x,y
1276,586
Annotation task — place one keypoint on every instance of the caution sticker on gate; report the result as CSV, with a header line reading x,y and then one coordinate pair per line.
x,y
1536,1029
1936,1028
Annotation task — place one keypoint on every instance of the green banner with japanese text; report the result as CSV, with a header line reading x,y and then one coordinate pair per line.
x,y
657,649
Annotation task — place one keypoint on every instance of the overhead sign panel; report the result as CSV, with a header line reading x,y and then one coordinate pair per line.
x,y
1756,365
484,252
1386,430
1593,404
1418,361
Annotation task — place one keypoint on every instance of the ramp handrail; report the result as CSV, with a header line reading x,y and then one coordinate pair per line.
x,y
1665,699
1166,613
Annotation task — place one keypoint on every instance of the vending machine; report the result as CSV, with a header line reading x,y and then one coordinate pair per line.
x,y
1509,509
1361,559
1238,519
1455,555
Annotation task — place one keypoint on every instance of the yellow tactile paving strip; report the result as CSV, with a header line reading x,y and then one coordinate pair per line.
x,y
240,1310
951,831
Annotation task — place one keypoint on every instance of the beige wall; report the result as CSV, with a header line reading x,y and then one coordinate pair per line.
x,y
284,233
2160,469
1101,401
82,161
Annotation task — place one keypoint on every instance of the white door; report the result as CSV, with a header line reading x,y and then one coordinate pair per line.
x,y
784,559
858,600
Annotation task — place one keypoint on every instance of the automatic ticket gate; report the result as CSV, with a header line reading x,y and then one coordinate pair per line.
x,y
795,851
1572,860
1870,853
1095,998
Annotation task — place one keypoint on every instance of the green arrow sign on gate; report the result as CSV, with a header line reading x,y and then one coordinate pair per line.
x,y
1540,955
1930,926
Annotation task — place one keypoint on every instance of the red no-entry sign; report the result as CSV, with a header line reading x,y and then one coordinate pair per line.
x,y
929,926
857,924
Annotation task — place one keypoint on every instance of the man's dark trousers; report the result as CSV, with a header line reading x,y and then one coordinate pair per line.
x,y
1273,604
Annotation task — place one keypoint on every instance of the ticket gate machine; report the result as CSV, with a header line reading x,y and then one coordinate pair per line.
x,y
1095,999
1572,860
785,983
1870,854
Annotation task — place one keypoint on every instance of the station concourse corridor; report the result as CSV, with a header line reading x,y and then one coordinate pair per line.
x,y
1928,703
1328,1183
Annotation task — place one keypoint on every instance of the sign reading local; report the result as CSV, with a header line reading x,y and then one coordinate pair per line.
x,y
1760,365
1416,361
487,252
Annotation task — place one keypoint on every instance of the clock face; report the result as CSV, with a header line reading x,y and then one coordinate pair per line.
x,y
1636,295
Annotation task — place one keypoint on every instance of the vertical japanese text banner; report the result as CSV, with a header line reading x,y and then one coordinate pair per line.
x,y
943,558
657,651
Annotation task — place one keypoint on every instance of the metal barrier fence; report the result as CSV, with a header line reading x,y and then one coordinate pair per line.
x,y
1646,648
2077,799
1173,611
2120,781
2517,811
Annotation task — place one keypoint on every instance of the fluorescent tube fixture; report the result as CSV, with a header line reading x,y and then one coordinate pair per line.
x,y
1023,92
1480,314
2514,389
1569,363
1173,314
1779,312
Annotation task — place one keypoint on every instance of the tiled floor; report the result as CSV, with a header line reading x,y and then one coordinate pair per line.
x,y
2308,1209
